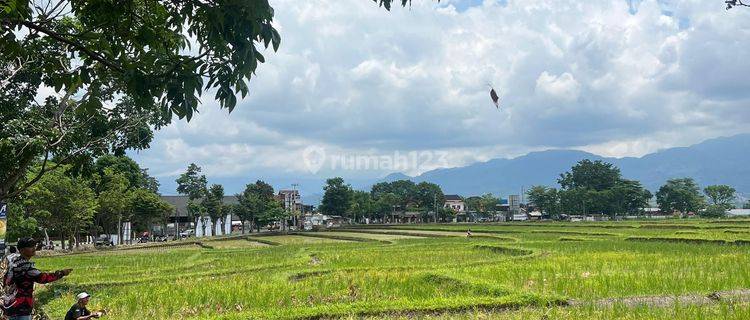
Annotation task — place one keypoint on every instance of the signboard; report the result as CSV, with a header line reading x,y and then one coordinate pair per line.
x,y
3,225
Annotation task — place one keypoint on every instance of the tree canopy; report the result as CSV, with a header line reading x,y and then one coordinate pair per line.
x,y
62,204
428,196
681,195
591,187
146,208
253,202
118,69
337,197
545,199
594,175
68,205
214,204
362,205
136,176
404,190
721,195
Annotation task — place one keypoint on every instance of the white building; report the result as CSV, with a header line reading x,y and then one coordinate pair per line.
x,y
739,213
455,202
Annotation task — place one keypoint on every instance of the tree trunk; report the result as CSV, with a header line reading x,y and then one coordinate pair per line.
x,y
76,238
203,228
119,230
62,240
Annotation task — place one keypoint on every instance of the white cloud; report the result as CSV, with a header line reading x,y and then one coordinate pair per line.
x,y
571,74
563,86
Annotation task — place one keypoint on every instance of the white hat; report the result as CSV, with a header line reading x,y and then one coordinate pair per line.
x,y
82,295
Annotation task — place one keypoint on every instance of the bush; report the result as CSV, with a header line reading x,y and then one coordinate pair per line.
x,y
714,211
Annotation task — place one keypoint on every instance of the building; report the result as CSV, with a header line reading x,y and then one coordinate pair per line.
x,y
181,216
455,202
652,211
738,212
503,205
514,203
317,220
290,200
407,217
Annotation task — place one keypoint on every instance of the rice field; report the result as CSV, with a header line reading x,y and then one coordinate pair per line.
x,y
503,271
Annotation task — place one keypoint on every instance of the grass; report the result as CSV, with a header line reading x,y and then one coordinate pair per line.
x,y
373,236
504,271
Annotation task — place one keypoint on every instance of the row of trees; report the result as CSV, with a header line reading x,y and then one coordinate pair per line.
x,y
386,198
591,187
255,205
597,187
383,200
98,200
684,196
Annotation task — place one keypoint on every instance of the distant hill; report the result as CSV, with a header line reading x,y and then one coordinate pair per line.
x,y
716,161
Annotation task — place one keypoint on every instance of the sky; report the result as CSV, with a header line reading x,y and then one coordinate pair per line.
x,y
360,92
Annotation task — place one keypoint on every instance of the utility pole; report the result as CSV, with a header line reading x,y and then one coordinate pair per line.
x,y
294,203
434,205
176,226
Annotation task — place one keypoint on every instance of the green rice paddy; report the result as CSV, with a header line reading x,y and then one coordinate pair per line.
x,y
504,271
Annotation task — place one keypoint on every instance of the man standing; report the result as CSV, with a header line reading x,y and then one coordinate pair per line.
x,y
19,280
79,311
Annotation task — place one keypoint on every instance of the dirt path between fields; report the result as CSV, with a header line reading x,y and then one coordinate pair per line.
x,y
731,296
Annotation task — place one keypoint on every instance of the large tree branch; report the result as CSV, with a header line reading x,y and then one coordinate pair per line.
x,y
75,44
6,193
36,178
12,73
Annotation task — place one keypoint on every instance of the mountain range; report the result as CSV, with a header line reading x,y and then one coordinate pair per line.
x,y
723,160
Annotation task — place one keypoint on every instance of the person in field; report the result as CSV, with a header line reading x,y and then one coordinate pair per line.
x,y
19,279
79,311
468,233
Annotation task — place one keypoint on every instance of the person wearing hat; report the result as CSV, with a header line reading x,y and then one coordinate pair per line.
x,y
79,311
19,280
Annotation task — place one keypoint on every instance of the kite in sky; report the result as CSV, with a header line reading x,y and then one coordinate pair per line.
x,y
495,97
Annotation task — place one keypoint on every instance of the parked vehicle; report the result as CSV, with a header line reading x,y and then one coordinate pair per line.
x,y
187,233
103,241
